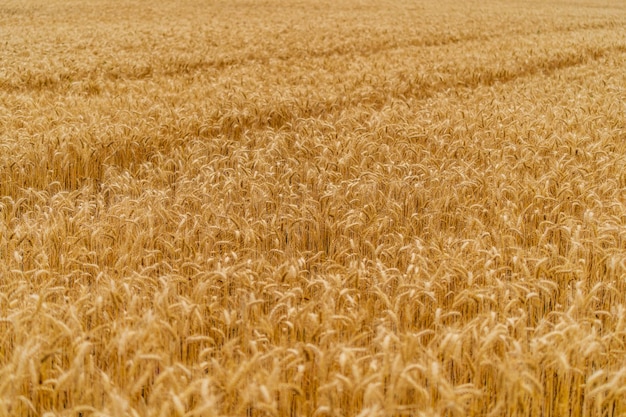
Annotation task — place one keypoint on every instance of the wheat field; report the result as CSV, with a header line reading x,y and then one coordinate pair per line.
x,y
312,208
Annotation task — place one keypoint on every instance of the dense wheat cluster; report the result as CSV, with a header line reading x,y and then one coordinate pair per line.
x,y
308,208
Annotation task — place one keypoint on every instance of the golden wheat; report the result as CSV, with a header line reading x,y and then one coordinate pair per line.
x,y
287,208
